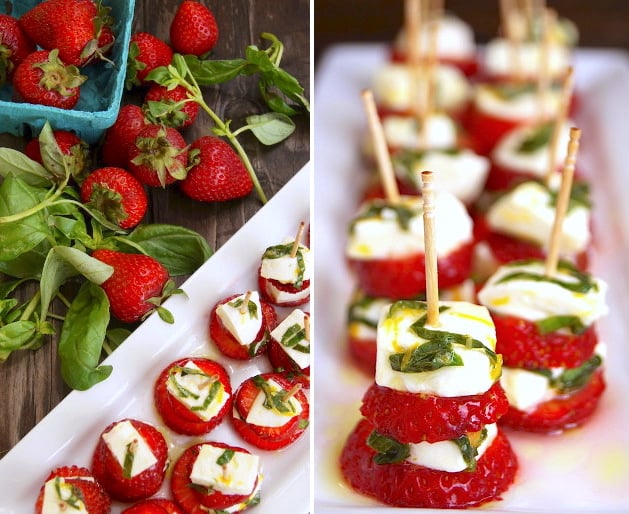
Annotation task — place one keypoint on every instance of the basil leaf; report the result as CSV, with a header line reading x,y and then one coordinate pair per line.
x,y
182,251
554,323
429,356
389,450
15,336
539,138
225,457
270,128
18,164
403,215
82,338
583,283
29,264
575,378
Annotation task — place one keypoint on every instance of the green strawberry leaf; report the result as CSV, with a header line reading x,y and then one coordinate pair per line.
x,y
270,128
82,338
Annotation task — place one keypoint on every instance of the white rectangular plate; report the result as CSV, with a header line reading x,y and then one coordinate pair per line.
x,y
69,433
582,471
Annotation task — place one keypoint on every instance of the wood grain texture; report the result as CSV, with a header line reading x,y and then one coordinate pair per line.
x,y
30,382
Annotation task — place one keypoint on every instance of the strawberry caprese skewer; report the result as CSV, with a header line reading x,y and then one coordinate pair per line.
x,y
193,395
216,477
130,460
284,273
72,489
240,325
429,420
289,345
270,411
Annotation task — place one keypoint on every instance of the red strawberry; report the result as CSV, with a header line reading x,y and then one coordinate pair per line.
x,y
159,156
265,437
137,281
121,135
121,479
117,194
216,173
171,107
74,149
42,78
87,36
72,484
146,52
154,506
193,29
14,47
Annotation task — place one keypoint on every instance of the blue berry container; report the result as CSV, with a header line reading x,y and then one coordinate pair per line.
x,y
99,103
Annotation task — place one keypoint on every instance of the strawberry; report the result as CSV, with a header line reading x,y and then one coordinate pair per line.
x,y
88,36
117,194
193,29
121,135
14,47
118,474
73,487
154,506
403,484
216,172
76,152
270,437
171,107
42,78
214,401
136,284
158,156
146,52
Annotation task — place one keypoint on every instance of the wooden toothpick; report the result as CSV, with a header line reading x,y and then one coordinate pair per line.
x,y
245,302
296,243
385,166
562,201
291,392
307,327
430,251
562,115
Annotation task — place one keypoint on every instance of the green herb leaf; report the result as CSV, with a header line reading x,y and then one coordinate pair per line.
x,y
554,323
403,214
539,138
82,337
575,378
429,356
583,282
225,457
389,450
18,164
270,128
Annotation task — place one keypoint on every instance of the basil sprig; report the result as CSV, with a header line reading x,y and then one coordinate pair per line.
x,y
438,351
583,282
389,450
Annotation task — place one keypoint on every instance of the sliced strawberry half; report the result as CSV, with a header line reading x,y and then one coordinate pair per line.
x,y
405,277
229,345
215,386
198,500
407,485
412,418
270,289
562,412
72,485
266,437
116,477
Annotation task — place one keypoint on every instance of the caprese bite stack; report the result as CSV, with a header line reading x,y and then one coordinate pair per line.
x,y
289,346
429,437
546,331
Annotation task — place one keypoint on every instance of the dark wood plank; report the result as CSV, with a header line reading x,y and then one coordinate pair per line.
x,y
31,382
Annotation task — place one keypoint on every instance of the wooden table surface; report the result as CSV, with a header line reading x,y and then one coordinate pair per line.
x,y
30,381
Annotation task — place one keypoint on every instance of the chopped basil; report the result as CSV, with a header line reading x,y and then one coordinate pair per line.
x,y
389,450
511,90
538,139
255,346
583,284
403,214
293,336
129,457
554,323
252,308
225,457
214,390
469,447
438,351
303,423
274,400
405,161
76,495
277,251
574,378
181,390
579,196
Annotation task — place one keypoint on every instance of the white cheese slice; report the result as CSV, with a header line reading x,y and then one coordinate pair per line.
x,y
122,438
478,372
57,492
503,58
525,389
295,318
528,212
264,416
281,297
237,476
525,106
198,387
405,132
241,322
446,455
285,269
381,236
534,300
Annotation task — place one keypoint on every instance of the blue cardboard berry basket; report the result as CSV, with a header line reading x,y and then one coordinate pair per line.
x,y
101,94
